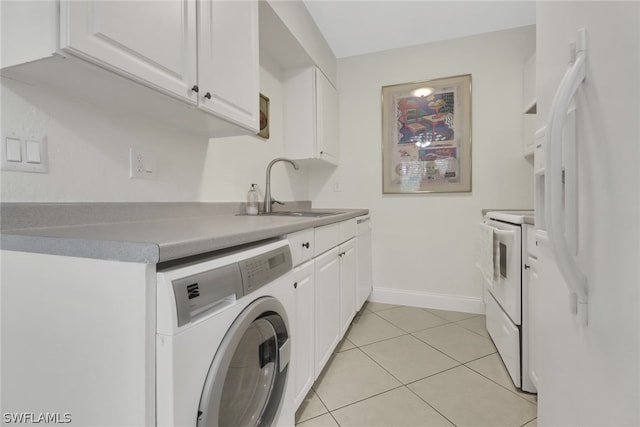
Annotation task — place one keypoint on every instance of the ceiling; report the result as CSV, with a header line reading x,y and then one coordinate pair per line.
x,y
355,27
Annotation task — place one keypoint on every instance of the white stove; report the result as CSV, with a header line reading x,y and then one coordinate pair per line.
x,y
512,217
501,264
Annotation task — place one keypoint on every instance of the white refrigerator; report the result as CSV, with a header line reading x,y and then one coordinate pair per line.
x,y
587,292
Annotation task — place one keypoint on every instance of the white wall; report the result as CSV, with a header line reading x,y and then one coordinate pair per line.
x,y
89,154
424,245
589,375
296,18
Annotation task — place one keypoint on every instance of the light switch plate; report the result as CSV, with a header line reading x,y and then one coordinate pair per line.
x,y
23,152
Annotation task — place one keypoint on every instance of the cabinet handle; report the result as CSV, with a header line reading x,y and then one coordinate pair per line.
x,y
195,88
295,285
526,267
207,95
305,245
342,253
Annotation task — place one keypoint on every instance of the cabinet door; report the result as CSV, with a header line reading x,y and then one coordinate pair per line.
x,y
347,284
364,264
153,43
311,109
303,332
534,314
327,119
228,61
327,307
302,245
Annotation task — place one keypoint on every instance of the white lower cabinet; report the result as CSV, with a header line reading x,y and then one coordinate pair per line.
x,y
86,357
302,325
531,310
327,305
302,245
325,298
348,289
534,313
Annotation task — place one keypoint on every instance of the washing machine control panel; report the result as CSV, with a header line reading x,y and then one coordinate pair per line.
x,y
212,289
265,268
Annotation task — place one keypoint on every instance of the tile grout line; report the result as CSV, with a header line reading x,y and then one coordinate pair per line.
x,y
402,383
334,419
503,387
405,385
424,342
463,365
470,330
438,350
367,398
392,389
442,352
433,375
495,382
430,405
404,330
466,318
529,421
323,404
384,339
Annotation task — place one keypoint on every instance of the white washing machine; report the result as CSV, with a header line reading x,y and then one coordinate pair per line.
x,y
223,339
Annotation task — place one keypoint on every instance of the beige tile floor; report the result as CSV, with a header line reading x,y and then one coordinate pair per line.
x,y
407,366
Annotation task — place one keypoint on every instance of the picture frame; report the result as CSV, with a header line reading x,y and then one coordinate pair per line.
x,y
264,117
426,136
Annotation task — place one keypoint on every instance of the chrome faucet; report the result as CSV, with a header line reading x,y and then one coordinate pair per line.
x,y
267,191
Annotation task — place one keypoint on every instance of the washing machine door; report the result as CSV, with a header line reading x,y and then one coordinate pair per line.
x,y
246,381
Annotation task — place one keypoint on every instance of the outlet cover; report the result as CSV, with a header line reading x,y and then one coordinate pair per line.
x,y
142,164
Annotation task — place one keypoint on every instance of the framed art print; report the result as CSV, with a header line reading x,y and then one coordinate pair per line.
x,y
264,117
426,136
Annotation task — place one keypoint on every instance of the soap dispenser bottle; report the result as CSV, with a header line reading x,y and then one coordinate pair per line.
x,y
252,201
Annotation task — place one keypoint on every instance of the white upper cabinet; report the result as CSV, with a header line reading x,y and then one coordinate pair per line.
x,y
151,42
311,111
327,119
228,60
201,53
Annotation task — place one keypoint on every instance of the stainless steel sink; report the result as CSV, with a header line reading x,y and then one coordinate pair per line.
x,y
301,214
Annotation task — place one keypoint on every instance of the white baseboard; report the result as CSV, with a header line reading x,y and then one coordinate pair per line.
x,y
427,300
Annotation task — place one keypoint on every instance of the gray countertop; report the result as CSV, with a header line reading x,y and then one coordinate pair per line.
x,y
157,240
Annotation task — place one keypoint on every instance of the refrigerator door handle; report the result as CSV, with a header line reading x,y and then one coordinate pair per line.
x,y
555,219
